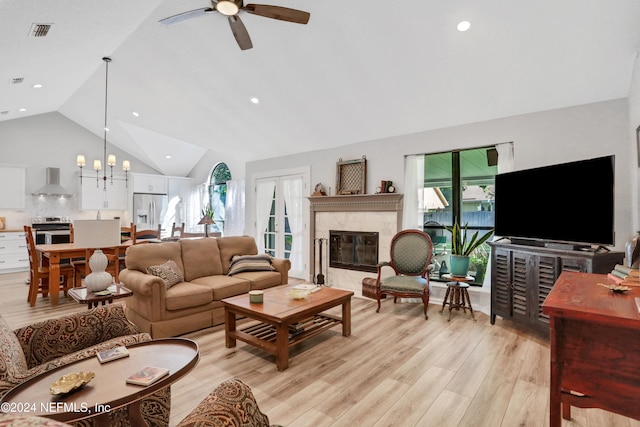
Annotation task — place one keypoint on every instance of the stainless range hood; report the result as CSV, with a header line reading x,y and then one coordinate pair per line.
x,y
52,187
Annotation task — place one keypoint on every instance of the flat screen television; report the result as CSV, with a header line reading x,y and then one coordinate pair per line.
x,y
570,203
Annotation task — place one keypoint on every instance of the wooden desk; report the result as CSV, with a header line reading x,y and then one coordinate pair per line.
x,y
108,390
595,347
51,256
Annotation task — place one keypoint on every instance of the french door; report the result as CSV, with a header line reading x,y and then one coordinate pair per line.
x,y
280,222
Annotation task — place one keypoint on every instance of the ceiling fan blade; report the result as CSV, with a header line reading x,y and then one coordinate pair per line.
x,y
240,33
184,16
278,12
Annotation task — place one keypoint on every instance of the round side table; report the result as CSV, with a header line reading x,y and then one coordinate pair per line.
x,y
457,296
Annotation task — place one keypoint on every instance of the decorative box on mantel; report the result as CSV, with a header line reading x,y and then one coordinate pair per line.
x,y
360,212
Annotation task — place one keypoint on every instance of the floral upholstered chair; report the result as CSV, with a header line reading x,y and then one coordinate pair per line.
x,y
231,404
40,347
411,252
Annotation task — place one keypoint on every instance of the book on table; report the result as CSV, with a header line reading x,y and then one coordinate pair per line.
x,y
147,376
105,356
629,271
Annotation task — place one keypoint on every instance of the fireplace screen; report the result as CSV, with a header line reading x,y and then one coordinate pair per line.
x,y
353,250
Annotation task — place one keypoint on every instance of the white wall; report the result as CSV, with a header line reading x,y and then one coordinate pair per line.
x,y
634,158
51,140
543,138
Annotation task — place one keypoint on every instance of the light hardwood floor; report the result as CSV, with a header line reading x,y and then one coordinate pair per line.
x,y
396,369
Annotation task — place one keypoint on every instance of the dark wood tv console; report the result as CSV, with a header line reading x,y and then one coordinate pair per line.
x,y
522,277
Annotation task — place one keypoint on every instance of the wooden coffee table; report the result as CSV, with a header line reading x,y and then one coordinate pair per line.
x,y
108,390
278,313
84,296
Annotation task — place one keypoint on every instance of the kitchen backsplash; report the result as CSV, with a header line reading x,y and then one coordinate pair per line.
x,y
36,206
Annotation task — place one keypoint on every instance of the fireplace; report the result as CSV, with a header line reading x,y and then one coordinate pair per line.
x,y
353,250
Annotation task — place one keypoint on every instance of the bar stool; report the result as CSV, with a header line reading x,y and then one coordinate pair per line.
x,y
457,295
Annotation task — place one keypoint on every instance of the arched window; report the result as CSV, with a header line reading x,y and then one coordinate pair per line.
x,y
220,174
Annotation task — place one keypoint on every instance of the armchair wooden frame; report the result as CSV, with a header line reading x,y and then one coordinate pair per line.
x,y
411,253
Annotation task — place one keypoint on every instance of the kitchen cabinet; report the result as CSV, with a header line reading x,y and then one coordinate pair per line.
x,y
93,197
13,187
522,277
149,183
13,252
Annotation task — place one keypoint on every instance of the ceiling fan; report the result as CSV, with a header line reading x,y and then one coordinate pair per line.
x,y
232,8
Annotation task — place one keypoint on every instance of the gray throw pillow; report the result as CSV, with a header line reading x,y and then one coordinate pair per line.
x,y
240,263
169,272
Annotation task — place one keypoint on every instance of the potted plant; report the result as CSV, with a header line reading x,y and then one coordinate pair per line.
x,y
462,247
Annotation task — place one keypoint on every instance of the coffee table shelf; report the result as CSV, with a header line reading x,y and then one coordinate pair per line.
x,y
266,332
277,314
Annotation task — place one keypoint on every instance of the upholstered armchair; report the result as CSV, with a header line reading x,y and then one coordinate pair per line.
x,y
411,252
40,347
231,404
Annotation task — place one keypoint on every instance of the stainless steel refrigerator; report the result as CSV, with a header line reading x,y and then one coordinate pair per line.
x,y
149,210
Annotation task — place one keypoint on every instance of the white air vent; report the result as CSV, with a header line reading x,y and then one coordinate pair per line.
x,y
16,80
40,30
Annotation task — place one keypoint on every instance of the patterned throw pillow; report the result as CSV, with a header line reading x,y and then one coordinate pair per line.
x,y
169,272
240,263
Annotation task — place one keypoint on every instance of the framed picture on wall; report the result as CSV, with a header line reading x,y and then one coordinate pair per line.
x,y
351,176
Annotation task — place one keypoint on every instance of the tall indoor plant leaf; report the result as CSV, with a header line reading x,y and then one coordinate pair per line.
x,y
459,243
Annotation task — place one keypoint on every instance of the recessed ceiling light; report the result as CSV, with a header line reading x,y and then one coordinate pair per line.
x,y
37,86
255,100
464,26
135,114
22,110
167,157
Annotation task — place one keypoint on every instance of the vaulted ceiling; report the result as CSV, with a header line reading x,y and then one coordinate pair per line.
x,y
359,70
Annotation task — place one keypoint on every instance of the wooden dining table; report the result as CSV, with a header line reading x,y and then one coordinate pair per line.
x,y
52,254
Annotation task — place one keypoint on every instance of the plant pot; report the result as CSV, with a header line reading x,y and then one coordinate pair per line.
x,y
459,265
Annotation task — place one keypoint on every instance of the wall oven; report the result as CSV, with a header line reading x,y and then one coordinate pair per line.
x,y
51,229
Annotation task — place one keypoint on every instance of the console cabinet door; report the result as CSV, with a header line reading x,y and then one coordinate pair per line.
x,y
500,284
547,270
521,263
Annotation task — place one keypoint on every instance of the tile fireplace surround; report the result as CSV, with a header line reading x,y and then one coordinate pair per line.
x,y
367,212
381,213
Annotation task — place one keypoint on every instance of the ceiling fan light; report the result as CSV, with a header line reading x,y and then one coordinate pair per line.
x,y
227,7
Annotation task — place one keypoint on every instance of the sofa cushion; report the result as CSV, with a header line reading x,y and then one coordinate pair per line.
x,y
224,286
141,256
261,279
200,257
169,272
187,295
241,263
12,360
235,245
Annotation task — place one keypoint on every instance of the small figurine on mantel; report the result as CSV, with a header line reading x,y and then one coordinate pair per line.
x,y
319,190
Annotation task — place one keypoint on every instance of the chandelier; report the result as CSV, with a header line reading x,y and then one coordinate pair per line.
x,y
109,160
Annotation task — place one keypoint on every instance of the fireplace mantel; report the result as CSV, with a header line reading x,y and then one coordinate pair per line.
x,y
357,203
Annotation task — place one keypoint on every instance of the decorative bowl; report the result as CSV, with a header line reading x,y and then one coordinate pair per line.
x,y
618,289
70,382
298,293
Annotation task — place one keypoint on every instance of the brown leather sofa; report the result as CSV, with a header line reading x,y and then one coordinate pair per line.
x,y
194,303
